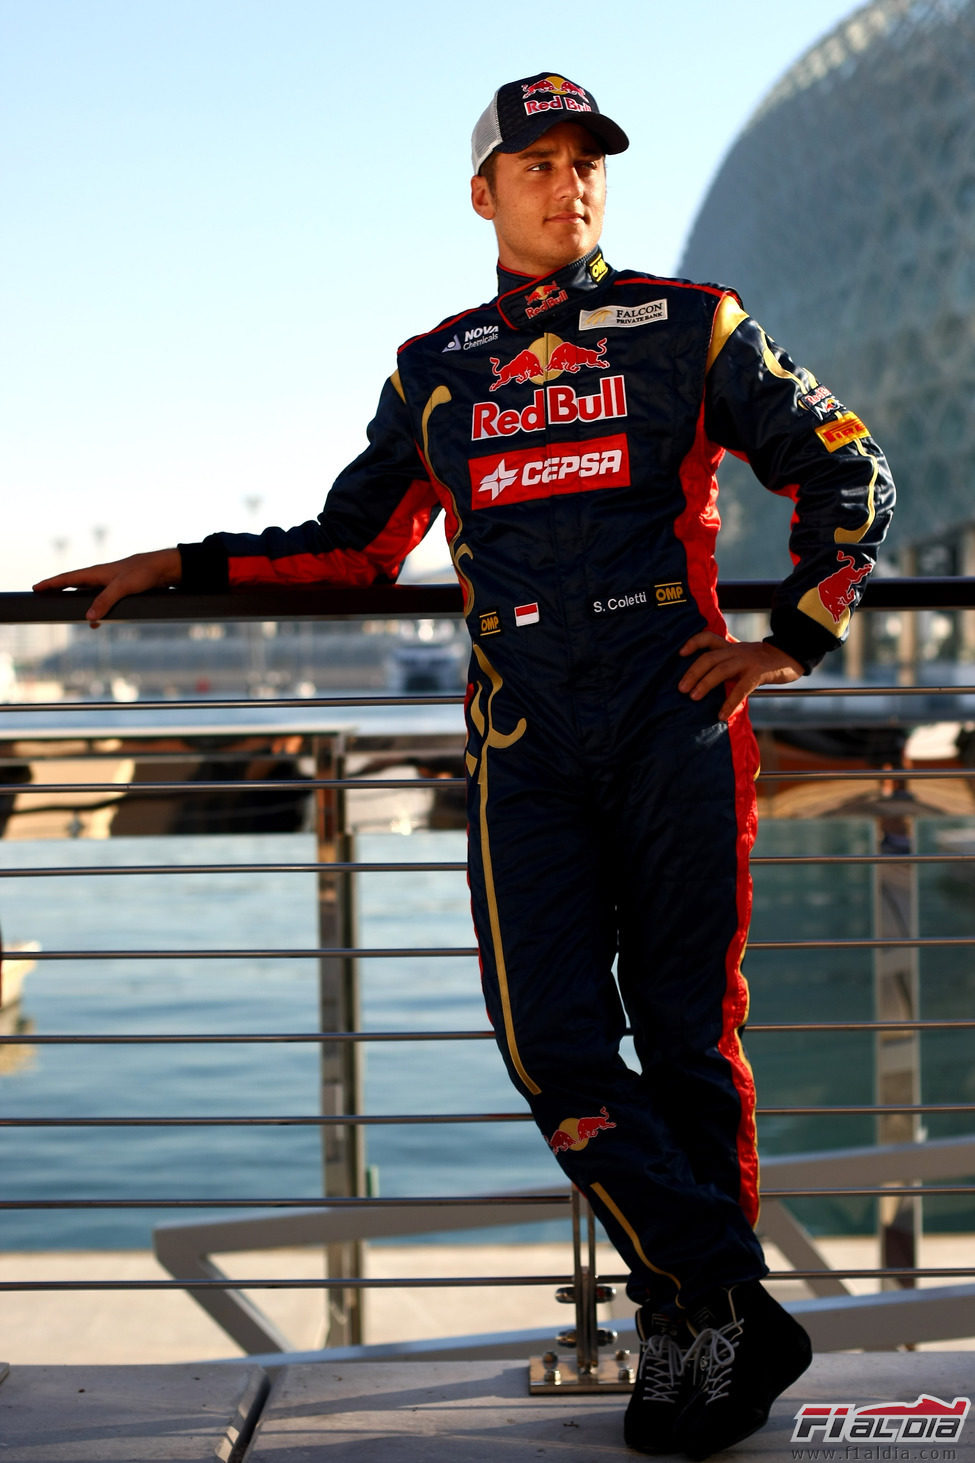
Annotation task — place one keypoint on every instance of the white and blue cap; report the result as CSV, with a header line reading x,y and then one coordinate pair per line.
x,y
520,111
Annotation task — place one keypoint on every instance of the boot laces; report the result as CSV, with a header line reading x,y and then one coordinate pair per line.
x,y
711,1357
661,1366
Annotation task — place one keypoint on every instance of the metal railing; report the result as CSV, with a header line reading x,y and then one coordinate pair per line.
x,y
340,763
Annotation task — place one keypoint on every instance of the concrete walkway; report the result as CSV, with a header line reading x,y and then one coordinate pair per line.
x,y
434,1412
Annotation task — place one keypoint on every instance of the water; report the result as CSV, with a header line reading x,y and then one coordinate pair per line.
x,y
244,995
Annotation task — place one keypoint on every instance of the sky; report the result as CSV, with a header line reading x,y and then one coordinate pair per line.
x,y
219,219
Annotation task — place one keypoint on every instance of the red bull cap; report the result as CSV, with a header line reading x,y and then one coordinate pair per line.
x,y
520,111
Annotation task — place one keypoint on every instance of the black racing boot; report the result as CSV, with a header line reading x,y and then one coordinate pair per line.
x,y
746,1350
652,1409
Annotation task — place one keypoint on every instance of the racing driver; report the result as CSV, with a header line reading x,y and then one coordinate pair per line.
x,y
569,432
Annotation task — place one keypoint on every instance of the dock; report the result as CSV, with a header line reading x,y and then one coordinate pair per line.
x,y
146,1377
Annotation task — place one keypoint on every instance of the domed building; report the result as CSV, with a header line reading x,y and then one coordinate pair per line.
x,y
844,214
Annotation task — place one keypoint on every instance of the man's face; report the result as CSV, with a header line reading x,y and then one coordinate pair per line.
x,y
546,203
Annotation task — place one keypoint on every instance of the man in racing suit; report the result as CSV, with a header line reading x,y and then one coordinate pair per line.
x,y
569,431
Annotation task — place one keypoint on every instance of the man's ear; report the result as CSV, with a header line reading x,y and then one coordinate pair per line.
x,y
482,200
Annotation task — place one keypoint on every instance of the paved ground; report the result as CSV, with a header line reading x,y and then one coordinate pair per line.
x,y
441,1412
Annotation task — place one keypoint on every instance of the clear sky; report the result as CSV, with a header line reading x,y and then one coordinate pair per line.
x,y
221,217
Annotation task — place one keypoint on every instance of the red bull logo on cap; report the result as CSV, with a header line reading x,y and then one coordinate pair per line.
x,y
556,84
572,1135
554,94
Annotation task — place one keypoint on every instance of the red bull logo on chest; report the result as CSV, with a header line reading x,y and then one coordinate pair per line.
x,y
558,405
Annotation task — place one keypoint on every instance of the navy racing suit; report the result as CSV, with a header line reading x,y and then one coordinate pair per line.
x,y
570,430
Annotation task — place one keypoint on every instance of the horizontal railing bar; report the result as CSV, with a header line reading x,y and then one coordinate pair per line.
x,y
456,1201
398,952
450,866
459,1282
844,774
455,866
265,1038
314,953
130,790
888,860
244,703
352,1282
410,601
306,703
368,1120
913,1191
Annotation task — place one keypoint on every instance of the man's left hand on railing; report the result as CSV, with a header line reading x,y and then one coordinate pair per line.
x,y
739,665
158,569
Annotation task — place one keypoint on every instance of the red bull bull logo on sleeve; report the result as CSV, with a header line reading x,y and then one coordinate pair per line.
x,y
838,590
572,1135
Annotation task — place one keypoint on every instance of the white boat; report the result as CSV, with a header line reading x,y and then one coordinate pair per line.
x,y
15,963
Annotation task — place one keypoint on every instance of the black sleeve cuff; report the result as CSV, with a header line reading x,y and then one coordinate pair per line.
x,y
800,637
205,568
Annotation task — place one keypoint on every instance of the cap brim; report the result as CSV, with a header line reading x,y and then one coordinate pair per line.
x,y
613,138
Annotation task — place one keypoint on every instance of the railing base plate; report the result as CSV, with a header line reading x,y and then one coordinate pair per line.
x,y
563,1375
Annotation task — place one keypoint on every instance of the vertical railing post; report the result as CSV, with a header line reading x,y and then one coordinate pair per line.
x,y
341,1087
897,1055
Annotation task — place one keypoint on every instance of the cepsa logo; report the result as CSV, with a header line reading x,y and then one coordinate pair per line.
x,y
543,472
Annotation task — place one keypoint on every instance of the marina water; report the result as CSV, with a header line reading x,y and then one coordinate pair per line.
x,y
241,994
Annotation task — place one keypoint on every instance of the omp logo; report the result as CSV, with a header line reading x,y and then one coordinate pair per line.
x,y
558,405
544,472
490,623
927,1420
